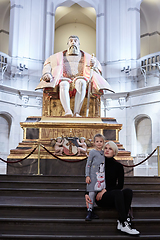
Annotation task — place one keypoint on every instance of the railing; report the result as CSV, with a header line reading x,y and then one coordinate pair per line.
x,y
3,60
3,64
39,145
146,67
151,61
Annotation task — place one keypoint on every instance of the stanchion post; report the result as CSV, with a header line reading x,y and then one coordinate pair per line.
x,y
158,160
39,146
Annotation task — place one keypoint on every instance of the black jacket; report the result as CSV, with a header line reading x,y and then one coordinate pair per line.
x,y
114,174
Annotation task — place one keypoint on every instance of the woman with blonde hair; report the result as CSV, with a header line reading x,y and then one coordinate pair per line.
x,y
114,196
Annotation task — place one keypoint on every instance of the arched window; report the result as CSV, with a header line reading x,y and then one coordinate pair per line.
x,y
75,20
4,25
5,125
150,26
143,128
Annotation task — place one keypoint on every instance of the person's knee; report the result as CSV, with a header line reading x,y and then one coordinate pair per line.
x,y
128,192
64,84
81,82
118,194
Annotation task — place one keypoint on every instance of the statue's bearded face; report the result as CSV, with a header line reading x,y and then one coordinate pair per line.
x,y
73,46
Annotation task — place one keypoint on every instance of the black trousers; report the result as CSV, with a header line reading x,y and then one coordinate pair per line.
x,y
119,199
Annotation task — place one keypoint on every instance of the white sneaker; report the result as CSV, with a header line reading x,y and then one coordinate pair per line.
x,y
127,229
119,225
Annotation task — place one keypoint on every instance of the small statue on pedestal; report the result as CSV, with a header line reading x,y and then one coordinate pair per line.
x,y
59,146
82,149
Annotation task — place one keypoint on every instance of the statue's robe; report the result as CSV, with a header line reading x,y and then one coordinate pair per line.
x,y
55,65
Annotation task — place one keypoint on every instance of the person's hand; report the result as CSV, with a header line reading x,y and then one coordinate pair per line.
x,y
47,77
88,200
100,194
88,180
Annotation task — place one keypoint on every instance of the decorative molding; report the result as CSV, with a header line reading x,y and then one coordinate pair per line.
x,y
122,101
133,9
133,93
11,90
16,6
39,101
25,100
4,31
108,103
150,34
100,15
51,14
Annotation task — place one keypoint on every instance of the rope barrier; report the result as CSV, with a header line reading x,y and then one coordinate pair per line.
x,y
71,161
127,172
20,159
141,161
86,158
61,158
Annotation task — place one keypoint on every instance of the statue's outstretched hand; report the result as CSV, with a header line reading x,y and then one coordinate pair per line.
x,y
47,77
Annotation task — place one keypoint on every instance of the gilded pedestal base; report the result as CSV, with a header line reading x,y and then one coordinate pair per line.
x,y
44,129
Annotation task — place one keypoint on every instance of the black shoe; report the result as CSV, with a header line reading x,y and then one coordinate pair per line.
x,y
94,216
89,216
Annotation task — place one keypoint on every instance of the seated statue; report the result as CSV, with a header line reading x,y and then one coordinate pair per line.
x,y
70,70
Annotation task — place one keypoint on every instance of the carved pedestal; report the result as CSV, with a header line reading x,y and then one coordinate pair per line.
x,y
44,129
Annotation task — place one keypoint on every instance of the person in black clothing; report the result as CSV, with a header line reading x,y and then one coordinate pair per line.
x,y
114,196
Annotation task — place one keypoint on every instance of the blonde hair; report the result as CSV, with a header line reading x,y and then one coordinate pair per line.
x,y
113,146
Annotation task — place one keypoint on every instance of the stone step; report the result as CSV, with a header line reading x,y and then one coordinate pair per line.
x,y
73,226
53,207
142,179
75,178
71,208
71,185
118,236
43,185
63,211
75,182
42,178
34,192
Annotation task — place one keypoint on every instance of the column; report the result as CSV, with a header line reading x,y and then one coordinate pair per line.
x,y
15,10
100,35
50,28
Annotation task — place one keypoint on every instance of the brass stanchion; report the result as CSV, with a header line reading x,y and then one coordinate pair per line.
x,y
158,160
39,146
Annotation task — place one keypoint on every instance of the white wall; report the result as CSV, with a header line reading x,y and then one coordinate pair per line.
x,y
86,44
